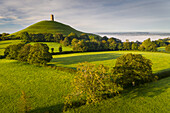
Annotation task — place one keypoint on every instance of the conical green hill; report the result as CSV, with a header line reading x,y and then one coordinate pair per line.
x,y
50,27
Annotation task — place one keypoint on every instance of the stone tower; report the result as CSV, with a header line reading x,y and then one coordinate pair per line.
x,y
52,17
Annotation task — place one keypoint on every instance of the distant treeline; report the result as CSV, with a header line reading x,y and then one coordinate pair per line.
x,y
86,42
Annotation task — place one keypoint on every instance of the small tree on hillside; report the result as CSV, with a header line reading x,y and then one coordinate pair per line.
x,y
133,68
60,48
39,54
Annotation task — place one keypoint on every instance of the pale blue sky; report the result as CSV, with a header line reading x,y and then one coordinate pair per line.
x,y
88,15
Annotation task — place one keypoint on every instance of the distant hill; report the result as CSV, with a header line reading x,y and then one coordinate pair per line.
x,y
51,27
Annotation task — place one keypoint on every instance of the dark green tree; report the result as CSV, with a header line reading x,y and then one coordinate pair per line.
x,y
39,54
134,46
72,35
133,68
66,41
48,37
52,50
60,49
25,37
148,45
58,38
23,54
12,51
120,46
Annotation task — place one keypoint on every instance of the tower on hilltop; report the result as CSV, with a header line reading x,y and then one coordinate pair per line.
x,y
52,17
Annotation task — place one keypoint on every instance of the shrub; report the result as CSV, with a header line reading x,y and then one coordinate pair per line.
x,y
24,52
92,83
60,48
133,68
39,54
52,50
12,51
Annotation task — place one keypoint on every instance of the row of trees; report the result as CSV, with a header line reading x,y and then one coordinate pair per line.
x,y
112,44
94,83
33,54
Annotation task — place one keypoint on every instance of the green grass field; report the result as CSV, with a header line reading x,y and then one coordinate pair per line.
x,y
4,44
149,98
161,61
46,87
161,49
54,45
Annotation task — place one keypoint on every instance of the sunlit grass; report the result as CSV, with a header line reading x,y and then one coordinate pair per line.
x,y
161,61
45,86
55,46
4,44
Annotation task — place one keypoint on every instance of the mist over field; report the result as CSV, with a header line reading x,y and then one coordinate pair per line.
x,y
134,36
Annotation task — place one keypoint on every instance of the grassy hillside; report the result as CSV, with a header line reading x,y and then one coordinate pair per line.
x,y
150,98
49,27
4,44
46,87
161,61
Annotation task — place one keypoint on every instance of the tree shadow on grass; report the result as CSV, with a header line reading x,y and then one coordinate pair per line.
x,y
148,89
83,58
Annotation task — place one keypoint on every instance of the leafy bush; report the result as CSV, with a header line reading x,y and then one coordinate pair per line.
x,y
92,83
60,48
12,51
133,68
24,52
39,54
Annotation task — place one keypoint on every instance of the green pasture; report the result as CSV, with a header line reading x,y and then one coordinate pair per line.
x,y
4,44
161,49
161,61
54,45
150,98
44,86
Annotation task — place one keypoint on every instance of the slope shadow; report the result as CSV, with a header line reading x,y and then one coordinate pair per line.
x,y
149,89
83,58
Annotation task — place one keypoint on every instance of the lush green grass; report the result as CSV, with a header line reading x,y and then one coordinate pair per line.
x,y
161,49
150,98
49,27
55,46
45,86
4,44
161,61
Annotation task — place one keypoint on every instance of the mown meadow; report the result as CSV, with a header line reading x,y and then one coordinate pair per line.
x,y
45,87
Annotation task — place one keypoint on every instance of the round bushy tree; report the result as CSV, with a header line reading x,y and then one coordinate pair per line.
x,y
133,68
24,52
39,54
93,82
12,51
